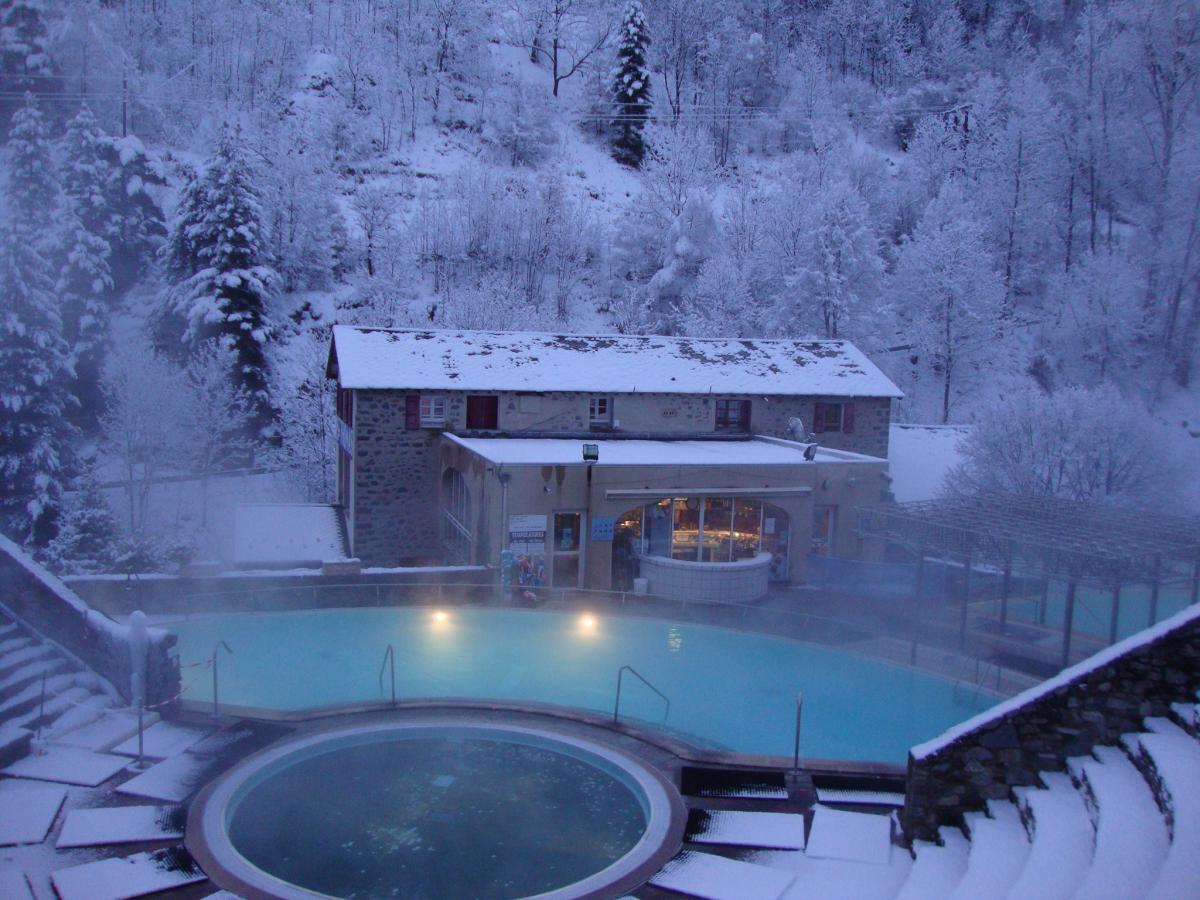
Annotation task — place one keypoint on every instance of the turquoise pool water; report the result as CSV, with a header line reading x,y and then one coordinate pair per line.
x,y
727,688
1093,609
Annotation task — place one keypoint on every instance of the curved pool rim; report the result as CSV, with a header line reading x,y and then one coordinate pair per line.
x,y
207,836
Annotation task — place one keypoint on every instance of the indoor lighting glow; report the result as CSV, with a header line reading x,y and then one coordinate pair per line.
x,y
587,623
441,617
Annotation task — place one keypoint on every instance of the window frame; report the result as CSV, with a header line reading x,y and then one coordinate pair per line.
x,y
724,421
435,417
600,419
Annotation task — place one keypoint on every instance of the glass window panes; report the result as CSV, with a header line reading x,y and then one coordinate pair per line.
x,y
686,543
600,411
717,534
433,410
747,528
832,417
566,532
733,415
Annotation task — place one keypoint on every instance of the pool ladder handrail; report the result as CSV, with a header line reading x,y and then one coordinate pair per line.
x,y
216,650
799,713
389,655
617,705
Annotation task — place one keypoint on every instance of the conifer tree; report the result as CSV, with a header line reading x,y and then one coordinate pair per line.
x,y
34,357
219,258
84,291
25,62
87,536
85,277
631,87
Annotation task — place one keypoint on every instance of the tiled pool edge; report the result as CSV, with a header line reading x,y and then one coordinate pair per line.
x,y
667,815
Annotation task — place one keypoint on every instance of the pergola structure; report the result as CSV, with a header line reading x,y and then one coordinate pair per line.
x,y
1100,545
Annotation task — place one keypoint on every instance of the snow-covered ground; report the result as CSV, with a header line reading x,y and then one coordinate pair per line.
x,y
919,456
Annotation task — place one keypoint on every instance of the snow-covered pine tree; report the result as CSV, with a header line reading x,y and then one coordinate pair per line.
x,y
222,265
631,87
136,178
84,291
34,358
87,172
25,62
87,536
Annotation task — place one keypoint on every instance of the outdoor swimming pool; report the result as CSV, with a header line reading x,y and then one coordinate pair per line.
x,y
729,689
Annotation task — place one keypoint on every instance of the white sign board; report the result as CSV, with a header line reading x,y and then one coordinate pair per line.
x,y
527,534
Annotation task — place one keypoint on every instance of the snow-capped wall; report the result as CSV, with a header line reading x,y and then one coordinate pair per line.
x,y
1091,703
43,603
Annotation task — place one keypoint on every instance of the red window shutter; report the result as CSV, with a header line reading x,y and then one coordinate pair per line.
x,y
412,411
848,417
819,417
482,412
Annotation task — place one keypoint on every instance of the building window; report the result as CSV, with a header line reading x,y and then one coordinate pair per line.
x,y
600,412
733,415
483,412
833,417
433,411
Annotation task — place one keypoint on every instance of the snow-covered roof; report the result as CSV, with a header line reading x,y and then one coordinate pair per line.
x,y
398,359
919,456
567,451
274,533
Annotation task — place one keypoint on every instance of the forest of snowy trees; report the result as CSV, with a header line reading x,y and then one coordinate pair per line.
x,y
998,200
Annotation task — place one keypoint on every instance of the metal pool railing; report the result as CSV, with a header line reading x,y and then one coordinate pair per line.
x,y
632,671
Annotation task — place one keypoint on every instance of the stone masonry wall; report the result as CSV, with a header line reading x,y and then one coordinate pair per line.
x,y
1096,707
395,483
396,470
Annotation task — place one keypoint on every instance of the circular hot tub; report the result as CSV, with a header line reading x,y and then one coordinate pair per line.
x,y
436,809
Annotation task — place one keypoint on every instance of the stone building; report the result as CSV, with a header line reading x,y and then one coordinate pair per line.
x,y
702,456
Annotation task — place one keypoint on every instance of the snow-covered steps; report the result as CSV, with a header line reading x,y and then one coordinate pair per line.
x,y
1062,839
937,869
162,739
27,810
31,673
1188,715
1172,765
121,825
1131,837
130,876
14,743
999,848
10,662
31,696
1163,725
779,831
171,780
859,798
13,884
718,878
12,644
68,765
104,733
858,837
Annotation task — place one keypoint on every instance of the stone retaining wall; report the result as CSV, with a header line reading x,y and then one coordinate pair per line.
x,y
40,600
1094,702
